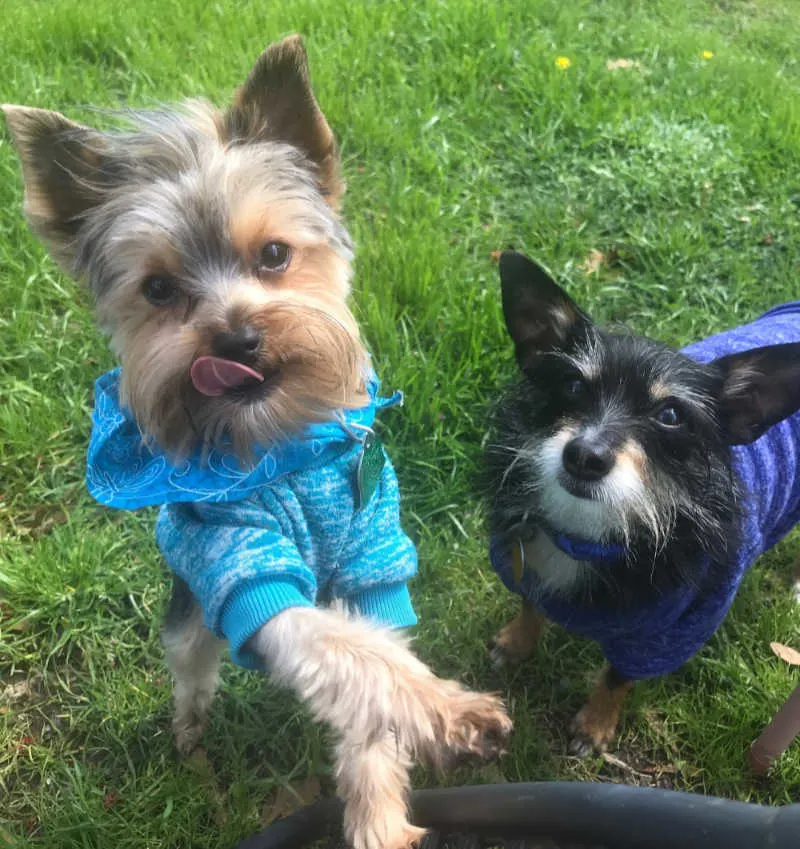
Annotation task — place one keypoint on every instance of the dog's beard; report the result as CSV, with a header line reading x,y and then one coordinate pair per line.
x,y
313,364
619,506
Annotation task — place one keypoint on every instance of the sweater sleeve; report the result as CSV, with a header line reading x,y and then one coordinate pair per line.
x,y
241,568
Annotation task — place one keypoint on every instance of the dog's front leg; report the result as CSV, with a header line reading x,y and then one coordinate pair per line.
x,y
518,639
595,726
193,658
385,706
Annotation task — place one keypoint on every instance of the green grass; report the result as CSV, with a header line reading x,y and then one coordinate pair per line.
x,y
460,136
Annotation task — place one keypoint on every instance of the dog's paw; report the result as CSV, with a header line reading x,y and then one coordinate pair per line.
x,y
517,640
508,647
592,731
187,731
387,831
478,727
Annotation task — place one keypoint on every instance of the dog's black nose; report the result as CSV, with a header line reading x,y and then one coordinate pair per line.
x,y
241,344
587,459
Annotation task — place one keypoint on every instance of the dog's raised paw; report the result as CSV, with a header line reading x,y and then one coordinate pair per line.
x,y
479,727
187,731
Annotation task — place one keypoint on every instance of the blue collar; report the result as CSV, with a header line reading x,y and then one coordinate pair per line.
x,y
580,549
125,472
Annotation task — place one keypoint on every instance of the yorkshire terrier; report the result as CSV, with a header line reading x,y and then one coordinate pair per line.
x,y
244,404
633,485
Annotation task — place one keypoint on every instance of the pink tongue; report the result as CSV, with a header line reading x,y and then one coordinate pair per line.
x,y
213,375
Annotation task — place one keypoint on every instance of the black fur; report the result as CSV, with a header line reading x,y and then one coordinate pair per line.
x,y
689,475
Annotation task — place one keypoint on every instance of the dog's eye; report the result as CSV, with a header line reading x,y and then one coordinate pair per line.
x,y
669,416
574,388
160,290
275,256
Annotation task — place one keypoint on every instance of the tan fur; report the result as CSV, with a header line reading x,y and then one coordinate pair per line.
x,y
375,778
385,705
277,102
519,638
196,194
597,721
659,391
632,454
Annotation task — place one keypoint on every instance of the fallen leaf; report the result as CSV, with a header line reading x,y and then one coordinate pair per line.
x,y
16,692
595,259
289,798
110,799
767,240
790,655
496,256
622,64
24,742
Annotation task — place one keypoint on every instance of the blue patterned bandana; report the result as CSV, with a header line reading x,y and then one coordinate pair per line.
x,y
126,473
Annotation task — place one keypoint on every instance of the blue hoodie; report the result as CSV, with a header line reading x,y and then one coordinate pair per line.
x,y
661,636
253,541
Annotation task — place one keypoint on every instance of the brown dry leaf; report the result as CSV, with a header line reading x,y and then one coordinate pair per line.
x,y
24,742
290,798
593,261
110,799
623,64
596,259
16,692
496,256
785,653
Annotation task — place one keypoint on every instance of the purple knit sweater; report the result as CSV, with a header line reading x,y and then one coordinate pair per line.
x,y
660,637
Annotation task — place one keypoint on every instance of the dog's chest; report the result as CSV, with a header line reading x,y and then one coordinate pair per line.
x,y
557,571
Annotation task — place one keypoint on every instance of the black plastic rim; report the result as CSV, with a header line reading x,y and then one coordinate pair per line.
x,y
613,815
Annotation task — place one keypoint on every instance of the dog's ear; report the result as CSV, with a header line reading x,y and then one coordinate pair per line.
x,y
761,388
64,172
540,315
277,103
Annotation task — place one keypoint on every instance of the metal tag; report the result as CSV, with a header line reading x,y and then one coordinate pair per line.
x,y
370,466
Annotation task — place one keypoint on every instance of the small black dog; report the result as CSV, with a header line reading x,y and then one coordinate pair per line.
x,y
633,484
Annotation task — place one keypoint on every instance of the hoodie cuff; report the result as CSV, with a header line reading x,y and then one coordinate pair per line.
x,y
250,606
389,604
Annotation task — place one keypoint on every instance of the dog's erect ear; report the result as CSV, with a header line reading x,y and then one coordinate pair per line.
x,y
761,388
64,173
277,103
539,314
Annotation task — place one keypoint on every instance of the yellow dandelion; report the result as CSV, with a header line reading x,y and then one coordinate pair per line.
x,y
563,63
707,54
